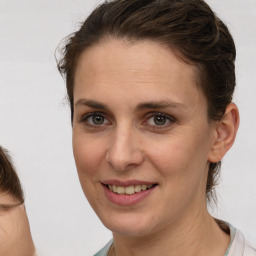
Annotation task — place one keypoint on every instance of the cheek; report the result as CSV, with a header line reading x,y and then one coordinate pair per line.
x,y
88,154
15,237
183,168
182,156
6,227
13,226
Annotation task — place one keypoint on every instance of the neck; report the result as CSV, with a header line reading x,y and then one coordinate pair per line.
x,y
192,235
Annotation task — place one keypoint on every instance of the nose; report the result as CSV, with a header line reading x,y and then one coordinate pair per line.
x,y
124,150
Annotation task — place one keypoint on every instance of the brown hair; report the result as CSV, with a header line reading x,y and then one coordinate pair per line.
x,y
9,180
188,26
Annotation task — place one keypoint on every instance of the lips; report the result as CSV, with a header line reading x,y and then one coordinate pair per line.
x,y
125,193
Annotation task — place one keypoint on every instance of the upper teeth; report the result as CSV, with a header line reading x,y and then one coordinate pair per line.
x,y
128,190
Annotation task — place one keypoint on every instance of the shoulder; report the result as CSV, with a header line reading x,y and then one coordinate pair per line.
x,y
105,249
239,246
249,251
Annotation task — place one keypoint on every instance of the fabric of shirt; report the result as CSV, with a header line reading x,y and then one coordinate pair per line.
x,y
237,247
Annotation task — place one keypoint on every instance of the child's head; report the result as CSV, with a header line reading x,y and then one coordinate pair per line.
x,y
9,181
15,236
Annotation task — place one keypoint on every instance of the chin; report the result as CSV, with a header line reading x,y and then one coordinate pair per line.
x,y
130,231
131,225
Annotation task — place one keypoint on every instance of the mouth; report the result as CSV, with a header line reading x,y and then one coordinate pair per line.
x,y
129,190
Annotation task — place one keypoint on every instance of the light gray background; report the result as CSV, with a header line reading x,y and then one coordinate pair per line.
x,y
35,123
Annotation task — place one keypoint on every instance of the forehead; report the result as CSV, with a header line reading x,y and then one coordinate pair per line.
x,y
137,67
145,55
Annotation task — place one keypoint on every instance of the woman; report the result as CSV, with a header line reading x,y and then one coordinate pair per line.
x,y
150,85
15,236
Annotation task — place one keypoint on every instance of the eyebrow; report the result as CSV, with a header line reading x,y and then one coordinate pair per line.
x,y
139,107
90,103
160,105
7,206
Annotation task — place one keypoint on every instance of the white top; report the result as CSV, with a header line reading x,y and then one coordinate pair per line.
x,y
237,247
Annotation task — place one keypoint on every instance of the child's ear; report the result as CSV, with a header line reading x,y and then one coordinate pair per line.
x,y
225,133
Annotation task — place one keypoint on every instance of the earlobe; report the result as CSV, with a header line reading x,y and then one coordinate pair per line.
x,y
225,133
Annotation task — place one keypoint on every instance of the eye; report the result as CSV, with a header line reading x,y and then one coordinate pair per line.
x,y
95,119
160,119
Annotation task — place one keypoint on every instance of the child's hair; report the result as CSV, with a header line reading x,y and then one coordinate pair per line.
x,y
9,180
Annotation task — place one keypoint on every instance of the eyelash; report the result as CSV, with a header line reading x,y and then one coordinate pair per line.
x,y
91,115
167,119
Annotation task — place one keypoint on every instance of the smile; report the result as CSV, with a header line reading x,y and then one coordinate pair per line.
x,y
129,190
127,193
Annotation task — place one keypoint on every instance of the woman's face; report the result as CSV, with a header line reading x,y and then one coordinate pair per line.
x,y
15,236
140,128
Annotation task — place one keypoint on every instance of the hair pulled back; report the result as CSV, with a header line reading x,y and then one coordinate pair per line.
x,y
189,27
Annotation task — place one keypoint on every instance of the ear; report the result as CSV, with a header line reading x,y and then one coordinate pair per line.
x,y
225,133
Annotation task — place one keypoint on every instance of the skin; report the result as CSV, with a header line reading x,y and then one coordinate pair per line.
x,y
119,79
15,236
